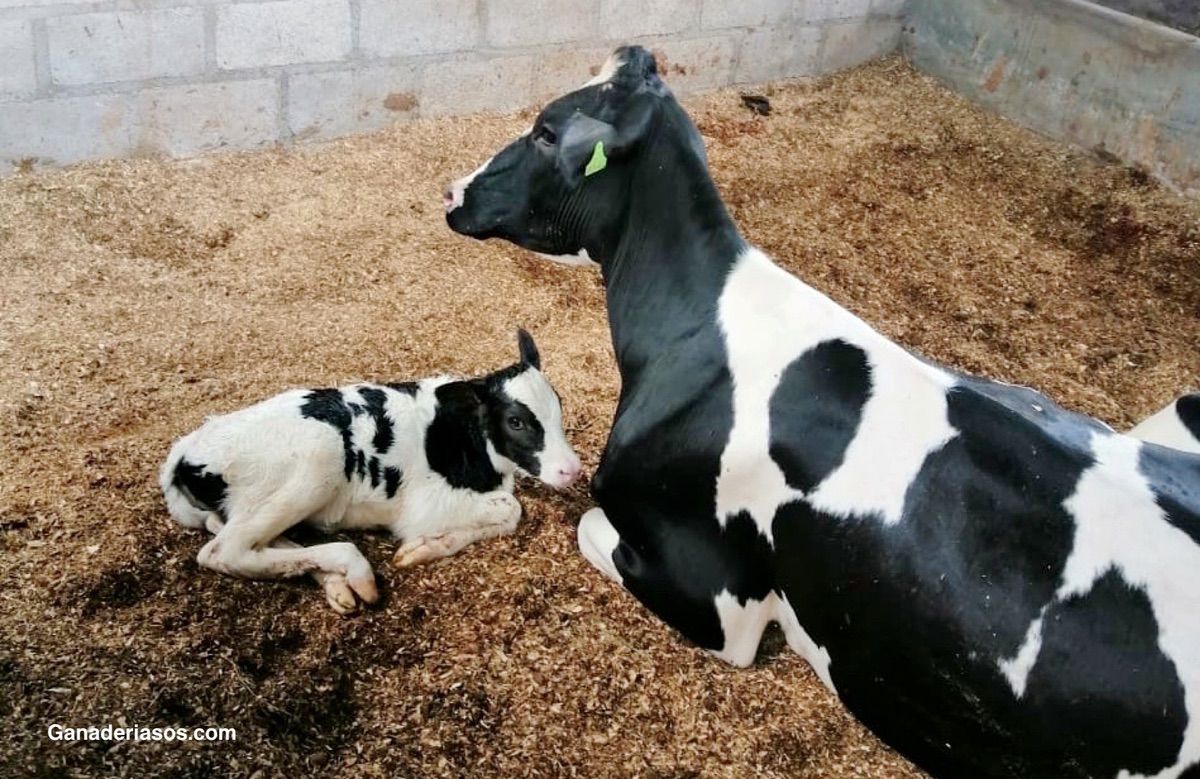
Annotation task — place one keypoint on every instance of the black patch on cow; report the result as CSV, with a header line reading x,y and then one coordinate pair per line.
x,y
329,406
1191,772
1174,477
819,401
376,400
1188,409
916,615
360,463
202,488
1102,691
455,441
373,469
391,480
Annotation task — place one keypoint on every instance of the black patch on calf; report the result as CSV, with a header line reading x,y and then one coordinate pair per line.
x,y
406,387
391,480
455,444
202,488
329,406
375,399
1103,692
819,401
521,446
373,469
1188,409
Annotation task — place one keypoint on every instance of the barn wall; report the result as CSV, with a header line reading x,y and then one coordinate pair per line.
x,y
128,77
1073,70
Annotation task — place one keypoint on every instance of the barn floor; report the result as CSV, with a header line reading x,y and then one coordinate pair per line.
x,y
139,296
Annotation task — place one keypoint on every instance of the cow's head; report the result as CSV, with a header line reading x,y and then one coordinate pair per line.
x,y
561,188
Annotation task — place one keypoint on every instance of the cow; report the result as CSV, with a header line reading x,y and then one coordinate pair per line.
x,y
994,585
433,461
1177,425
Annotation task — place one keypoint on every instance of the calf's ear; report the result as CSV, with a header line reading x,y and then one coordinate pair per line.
x,y
528,349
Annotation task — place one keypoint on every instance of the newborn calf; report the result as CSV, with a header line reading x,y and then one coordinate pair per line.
x,y
433,461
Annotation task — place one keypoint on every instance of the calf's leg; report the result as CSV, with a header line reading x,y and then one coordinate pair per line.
x,y
486,515
337,590
243,546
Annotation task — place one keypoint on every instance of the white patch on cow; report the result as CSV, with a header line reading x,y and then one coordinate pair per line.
x,y
1121,528
558,461
598,539
607,71
802,644
1016,669
579,258
458,190
1166,429
769,318
743,625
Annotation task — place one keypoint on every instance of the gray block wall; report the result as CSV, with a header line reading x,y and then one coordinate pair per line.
x,y
1073,70
84,80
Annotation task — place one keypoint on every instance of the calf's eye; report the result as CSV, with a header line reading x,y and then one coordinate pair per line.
x,y
515,424
545,135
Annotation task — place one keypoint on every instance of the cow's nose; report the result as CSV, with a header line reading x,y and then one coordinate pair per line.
x,y
447,198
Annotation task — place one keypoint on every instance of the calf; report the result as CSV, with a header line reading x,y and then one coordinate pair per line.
x,y
996,586
433,461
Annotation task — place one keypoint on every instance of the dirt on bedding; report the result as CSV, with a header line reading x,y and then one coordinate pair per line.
x,y
139,296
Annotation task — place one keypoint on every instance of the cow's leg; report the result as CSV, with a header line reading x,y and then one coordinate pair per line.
x,y
475,518
729,627
337,590
243,547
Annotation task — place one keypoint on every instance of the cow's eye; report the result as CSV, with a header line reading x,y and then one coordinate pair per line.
x,y
515,423
545,135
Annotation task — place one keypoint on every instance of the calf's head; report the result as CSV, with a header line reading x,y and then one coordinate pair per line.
x,y
562,189
523,417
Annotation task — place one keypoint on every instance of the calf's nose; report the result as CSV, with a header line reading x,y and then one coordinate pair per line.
x,y
569,472
448,198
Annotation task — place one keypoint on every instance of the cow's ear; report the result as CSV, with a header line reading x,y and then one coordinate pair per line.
x,y
528,349
587,143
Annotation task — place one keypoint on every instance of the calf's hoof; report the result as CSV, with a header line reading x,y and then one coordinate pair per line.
x,y
421,550
339,595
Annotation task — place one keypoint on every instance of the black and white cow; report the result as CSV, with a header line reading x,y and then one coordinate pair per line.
x,y
1176,426
996,586
433,461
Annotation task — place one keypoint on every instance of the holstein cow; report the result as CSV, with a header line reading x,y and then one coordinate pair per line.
x,y
994,585
433,461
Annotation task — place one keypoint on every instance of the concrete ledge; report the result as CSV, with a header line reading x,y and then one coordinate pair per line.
x,y
1075,71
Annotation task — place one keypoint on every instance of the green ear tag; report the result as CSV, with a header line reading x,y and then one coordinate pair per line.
x,y
598,162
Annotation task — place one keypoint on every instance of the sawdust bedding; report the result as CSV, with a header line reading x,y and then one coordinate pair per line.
x,y
138,296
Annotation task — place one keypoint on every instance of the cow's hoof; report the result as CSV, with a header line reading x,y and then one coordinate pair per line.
x,y
421,550
598,539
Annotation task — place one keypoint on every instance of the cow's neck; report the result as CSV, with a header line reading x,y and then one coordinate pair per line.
x,y
677,246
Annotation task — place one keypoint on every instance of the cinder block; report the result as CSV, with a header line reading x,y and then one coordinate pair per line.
x,y
462,86
888,7
390,28
17,75
126,45
325,105
695,64
718,14
782,52
852,43
811,11
530,22
64,130
252,35
624,19
559,72
186,120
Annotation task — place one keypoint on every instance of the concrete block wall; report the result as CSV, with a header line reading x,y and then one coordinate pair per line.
x,y
1073,70
110,78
